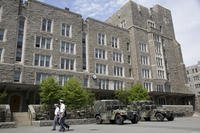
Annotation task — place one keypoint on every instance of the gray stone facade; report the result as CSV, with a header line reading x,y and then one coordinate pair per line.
x,y
193,82
104,55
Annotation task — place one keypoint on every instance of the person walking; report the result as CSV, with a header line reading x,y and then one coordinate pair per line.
x,y
62,116
56,116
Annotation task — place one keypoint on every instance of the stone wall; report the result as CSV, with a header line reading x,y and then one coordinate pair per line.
x,y
180,110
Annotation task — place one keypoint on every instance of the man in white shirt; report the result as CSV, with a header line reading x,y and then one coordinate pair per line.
x,y
62,116
56,116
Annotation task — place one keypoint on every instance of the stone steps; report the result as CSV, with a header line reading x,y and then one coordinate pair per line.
x,y
21,119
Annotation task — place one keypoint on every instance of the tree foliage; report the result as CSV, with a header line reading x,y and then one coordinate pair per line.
x,y
49,91
135,93
122,95
75,96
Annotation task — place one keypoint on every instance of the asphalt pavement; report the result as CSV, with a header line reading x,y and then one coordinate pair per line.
x,y
179,125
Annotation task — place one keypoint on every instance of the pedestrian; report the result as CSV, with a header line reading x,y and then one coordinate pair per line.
x,y
56,116
62,116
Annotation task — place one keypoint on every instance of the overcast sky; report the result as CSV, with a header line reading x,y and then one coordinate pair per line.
x,y
185,13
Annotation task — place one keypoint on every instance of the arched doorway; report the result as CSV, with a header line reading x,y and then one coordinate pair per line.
x,y
15,101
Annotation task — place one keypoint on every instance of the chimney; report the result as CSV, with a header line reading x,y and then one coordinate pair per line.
x,y
66,8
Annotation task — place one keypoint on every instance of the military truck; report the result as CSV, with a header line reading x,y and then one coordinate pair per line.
x,y
113,111
147,110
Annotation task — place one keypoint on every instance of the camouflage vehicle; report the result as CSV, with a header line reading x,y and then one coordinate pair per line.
x,y
147,110
113,111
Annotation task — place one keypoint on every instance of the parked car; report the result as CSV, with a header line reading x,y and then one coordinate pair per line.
x,y
147,110
113,111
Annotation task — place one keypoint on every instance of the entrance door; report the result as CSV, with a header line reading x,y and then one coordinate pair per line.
x,y
15,103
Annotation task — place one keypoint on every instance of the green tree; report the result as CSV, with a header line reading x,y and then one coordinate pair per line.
x,y
137,93
2,96
50,91
122,95
75,96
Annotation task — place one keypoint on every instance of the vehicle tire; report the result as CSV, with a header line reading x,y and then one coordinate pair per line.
x,y
98,119
159,117
147,118
135,119
119,119
171,118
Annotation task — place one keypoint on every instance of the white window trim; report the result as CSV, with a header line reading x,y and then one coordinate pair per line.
x,y
70,44
70,30
74,66
50,61
1,13
105,42
52,25
2,55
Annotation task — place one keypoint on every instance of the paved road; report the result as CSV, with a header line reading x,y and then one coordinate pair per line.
x,y
179,125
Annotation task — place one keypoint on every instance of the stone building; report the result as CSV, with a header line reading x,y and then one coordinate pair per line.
x,y
193,82
38,40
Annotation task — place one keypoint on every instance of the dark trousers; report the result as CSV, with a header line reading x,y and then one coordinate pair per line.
x,y
55,121
62,123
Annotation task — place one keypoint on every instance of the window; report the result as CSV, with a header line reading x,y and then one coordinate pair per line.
x,y
67,47
19,55
2,31
40,77
156,38
146,73
151,24
84,51
42,60
1,54
117,85
123,24
101,39
67,64
160,88
196,78
17,76
196,70
129,59
187,72
100,54
62,79
197,86
20,37
1,12
148,86
43,42
118,71
161,74
158,48
130,72
144,60
47,25
66,30
115,42
117,57
103,84
159,62
128,46
143,47
101,68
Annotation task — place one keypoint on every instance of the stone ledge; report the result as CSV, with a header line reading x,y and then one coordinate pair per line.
x,y
7,125
68,121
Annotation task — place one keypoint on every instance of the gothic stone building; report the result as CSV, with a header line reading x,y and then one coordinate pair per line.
x,y
135,44
193,82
